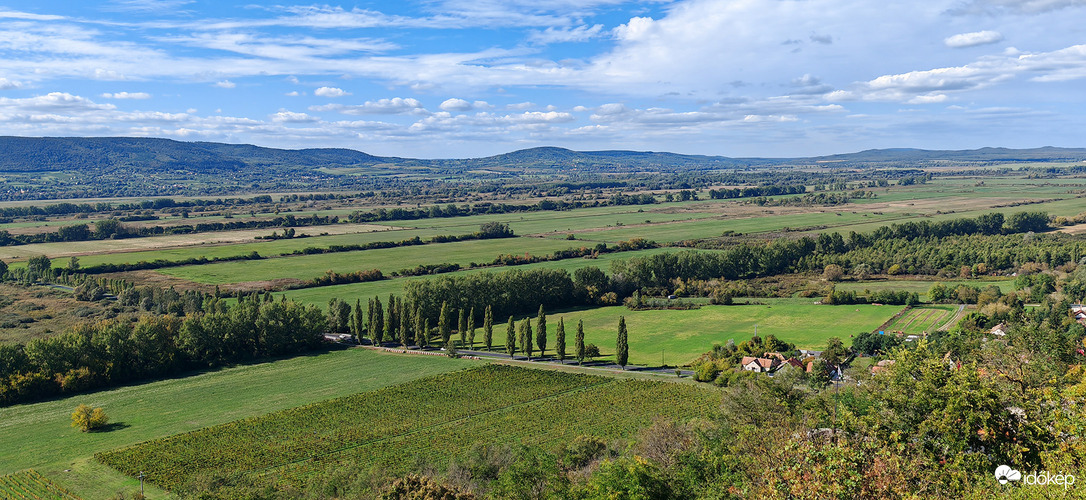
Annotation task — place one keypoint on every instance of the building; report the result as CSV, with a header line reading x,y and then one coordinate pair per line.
x,y
759,365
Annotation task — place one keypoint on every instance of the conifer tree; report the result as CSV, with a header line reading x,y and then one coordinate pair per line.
x,y
378,330
510,339
541,332
579,342
488,328
471,328
622,349
526,337
356,323
404,320
462,327
418,328
426,333
560,340
443,323
389,332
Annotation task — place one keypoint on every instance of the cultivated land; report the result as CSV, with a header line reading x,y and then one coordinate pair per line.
x,y
921,320
429,419
679,336
39,435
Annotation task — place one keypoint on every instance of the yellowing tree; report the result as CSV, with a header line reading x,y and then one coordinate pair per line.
x,y
86,419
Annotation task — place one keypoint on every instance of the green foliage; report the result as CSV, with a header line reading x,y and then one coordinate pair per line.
x,y
560,340
88,419
578,342
622,346
541,332
488,328
510,338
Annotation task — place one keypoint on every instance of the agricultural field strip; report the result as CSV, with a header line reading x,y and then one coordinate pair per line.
x,y
607,411
438,425
306,431
29,484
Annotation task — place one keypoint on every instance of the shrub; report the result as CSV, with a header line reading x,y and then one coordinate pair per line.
x,y
86,419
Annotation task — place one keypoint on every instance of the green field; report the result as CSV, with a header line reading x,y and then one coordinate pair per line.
x,y
39,435
30,484
677,337
435,418
921,287
921,320
386,259
321,295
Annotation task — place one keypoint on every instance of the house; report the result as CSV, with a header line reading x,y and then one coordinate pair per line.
x,y
760,365
1000,330
882,365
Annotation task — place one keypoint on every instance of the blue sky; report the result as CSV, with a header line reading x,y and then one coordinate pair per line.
x,y
467,78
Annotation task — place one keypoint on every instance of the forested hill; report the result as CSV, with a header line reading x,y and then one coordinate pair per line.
x,y
151,155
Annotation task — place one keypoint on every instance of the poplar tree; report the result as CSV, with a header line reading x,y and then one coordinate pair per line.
x,y
443,323
356,323
510,339
404,320
579,342
488,328
462,327
389,332
418,328
560,340
426,333
370,324
526,337
471,328
541,332
622,349
377,332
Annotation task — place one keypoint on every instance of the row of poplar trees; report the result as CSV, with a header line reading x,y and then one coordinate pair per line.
x,y
403,323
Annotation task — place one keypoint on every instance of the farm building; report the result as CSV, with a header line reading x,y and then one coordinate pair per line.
x,y
760,365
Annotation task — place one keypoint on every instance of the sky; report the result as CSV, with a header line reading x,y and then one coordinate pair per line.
x,y
472,78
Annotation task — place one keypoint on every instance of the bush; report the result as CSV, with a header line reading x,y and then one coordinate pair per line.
x,y
86,419
706,372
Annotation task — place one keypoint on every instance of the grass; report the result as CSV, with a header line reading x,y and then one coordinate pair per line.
x,y
434,418
30,312
921,287
675,337
923,319
386,259
321,295
39,436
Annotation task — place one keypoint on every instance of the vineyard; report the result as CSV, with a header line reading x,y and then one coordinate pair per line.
x,y
922,319
29,484
434,417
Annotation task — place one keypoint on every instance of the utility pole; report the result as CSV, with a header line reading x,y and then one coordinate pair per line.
x,y
141,476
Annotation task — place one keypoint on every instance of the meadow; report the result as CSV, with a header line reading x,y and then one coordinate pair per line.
x,y
39,435
433,418
921,320
676,337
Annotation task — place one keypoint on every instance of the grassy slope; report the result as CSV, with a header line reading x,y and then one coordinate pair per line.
x,y
39,436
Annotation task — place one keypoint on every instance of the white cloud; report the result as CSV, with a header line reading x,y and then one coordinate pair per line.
x,y
330,92
994,7
293,93
564,35
226,84
520,106
455,104
148,6
284,116
126,95
10,14
395,105
973,39
6,84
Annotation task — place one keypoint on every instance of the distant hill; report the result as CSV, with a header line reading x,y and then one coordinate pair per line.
x,y
151,155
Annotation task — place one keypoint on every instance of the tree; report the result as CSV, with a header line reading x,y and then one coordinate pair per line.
x,y
833,272
462,327
388,333
525,335
73,263
471,328
488,327
560,340
405,318
443,323
356,321
39,264
420,334
622,349
578,342
511,339
835,352
377,322
541,332
86,419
